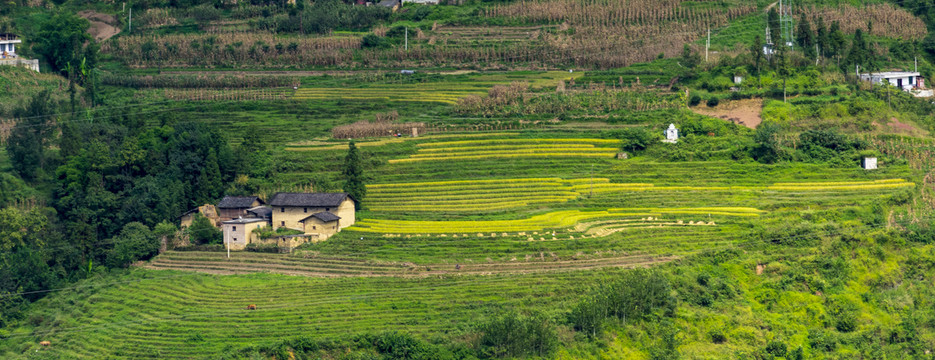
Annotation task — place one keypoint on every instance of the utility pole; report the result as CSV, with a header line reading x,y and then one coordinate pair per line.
x,y
131,20
817,53
407,38
915,60
707,45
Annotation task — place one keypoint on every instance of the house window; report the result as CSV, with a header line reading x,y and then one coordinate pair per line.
x,y
304,209
235,228
327,209
313,227
282,223
235,239
282,209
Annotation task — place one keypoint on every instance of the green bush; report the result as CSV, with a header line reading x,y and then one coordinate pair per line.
x,y
636,139
512,335
713,101
717,336
694,100
203,232
262,248
372,41
135,242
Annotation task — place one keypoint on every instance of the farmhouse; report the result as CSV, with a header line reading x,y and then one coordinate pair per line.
x,y
8,45
314,213
912,82
238,233
234,207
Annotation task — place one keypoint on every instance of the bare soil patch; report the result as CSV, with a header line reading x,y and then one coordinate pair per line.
x,y
102,27
897,127
743,112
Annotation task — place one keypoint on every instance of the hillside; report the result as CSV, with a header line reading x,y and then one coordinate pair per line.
x,y
518,199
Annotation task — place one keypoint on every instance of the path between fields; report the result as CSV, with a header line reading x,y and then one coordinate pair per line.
x,y
314,266
102,27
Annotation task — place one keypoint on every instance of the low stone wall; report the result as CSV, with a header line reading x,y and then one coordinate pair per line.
x,y
32,64
288,242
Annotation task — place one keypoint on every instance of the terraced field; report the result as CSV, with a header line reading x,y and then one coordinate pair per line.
x,y
310,264
445,92
198,316
512,148
552,220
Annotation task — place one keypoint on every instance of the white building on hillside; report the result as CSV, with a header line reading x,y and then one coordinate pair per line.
x,y
8,45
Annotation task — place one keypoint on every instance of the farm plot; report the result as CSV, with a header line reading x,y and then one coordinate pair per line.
x,y
444,93
500,194
198,316
512,148
551,220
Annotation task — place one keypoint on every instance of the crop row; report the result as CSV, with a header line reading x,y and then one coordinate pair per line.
x,y
506,147
504,155
552,220
469,152
520,141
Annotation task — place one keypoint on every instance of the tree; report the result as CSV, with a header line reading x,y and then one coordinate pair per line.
x,y
202,231
636,139
775,32
30,136
135,242
513,335
859,54
805,38
688,58
61,40
821,36
767,149
837,40
756,52
353,175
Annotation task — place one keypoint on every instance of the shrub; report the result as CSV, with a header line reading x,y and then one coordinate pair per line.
x,y
776,348
717,336
262,248
135,242
371,41
695,100
202,231
713,101
636,139
512,335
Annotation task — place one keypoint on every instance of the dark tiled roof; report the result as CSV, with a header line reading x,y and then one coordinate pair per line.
x,y
324,216
308,199
388,3
189,212
243,221
261,212
237,202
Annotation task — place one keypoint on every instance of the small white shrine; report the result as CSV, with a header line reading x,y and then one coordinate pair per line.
x,y
869,163
672,134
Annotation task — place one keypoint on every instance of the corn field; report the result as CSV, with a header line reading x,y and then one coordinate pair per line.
x,y
888,20
614,13
363,129
199,81
227,94
231,49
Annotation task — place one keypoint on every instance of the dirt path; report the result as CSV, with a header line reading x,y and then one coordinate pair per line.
x,y
743,112
102,27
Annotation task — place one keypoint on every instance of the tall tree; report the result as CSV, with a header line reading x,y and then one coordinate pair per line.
x,y
756,52
837,41
775,31
354,175
61,41
805,38
821,36
30,136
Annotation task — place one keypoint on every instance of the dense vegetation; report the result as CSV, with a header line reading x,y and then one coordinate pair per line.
x,y
509,226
